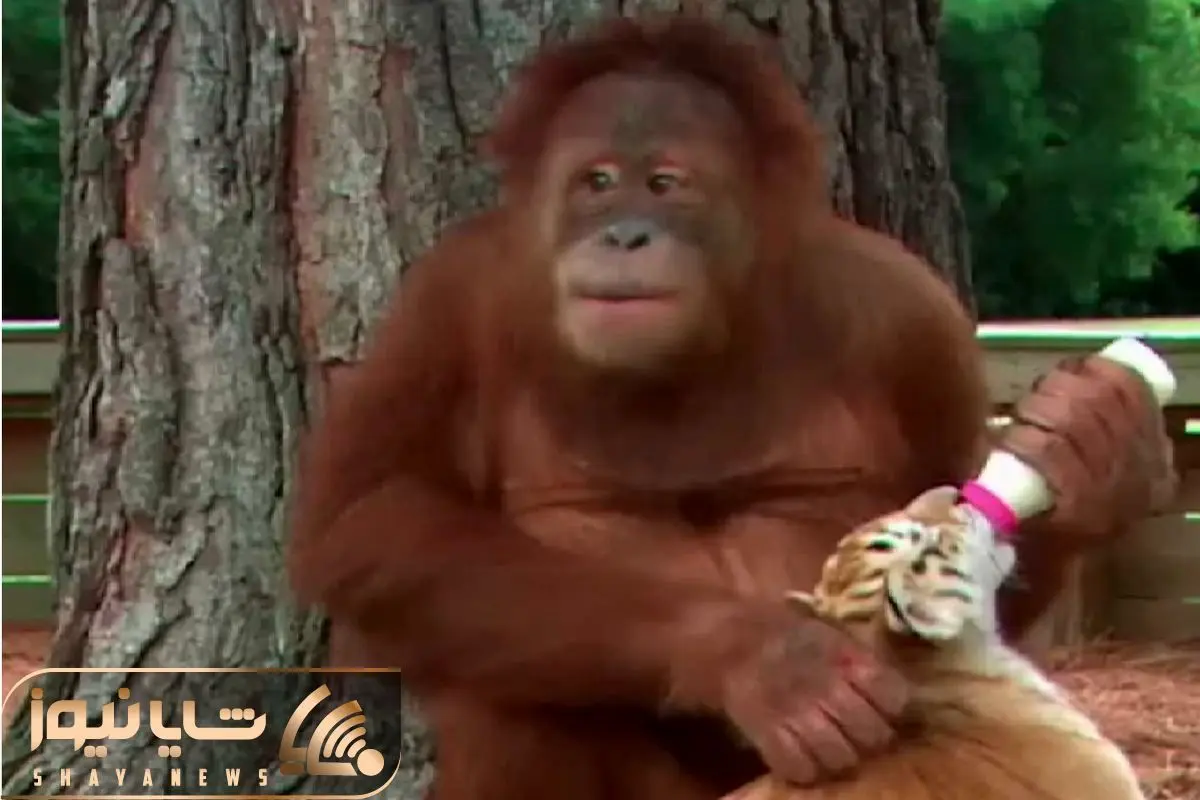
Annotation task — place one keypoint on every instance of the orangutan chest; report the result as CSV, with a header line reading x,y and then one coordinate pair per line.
x,y
749,552
765,531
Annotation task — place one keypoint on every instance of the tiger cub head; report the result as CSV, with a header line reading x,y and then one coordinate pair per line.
x,y
928,572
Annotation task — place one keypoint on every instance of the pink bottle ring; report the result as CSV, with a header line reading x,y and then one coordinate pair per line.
x,y
993,509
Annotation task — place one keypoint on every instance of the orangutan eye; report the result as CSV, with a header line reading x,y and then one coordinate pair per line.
x,y
663,181
601,178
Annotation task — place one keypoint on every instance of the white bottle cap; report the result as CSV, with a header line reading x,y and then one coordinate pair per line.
x,y
1141,359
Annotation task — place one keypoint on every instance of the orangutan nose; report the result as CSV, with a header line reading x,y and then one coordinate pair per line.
x,y
630,234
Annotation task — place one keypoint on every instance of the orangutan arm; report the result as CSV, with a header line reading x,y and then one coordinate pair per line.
x,y
1086,418
1095,433
926,350
387,535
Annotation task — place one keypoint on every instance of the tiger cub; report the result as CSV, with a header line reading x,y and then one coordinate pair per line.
x,y
984,724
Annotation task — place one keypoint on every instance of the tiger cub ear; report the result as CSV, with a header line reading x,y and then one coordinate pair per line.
x,y
935,503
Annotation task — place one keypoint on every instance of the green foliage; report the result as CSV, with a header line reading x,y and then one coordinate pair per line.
x,y
32,178
31,202
32,54
1075,139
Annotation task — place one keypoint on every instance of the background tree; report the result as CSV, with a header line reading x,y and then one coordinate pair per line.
x,y
1075,136
243,183
31,47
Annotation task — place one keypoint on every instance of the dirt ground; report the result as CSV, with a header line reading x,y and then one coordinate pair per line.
x,y
1146,697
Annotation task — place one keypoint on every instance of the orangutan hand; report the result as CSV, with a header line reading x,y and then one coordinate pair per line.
x,y
1095,432
812,701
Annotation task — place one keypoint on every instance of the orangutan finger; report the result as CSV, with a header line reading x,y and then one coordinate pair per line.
x,y
1060,436
885,689
824,741
1053,456
1133,392
861,722
1095,420
787,755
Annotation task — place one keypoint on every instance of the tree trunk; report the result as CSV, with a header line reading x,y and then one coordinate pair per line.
x,y
869,69
182,388
244,180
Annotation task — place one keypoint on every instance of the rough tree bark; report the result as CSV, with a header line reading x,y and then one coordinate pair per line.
x,y
244,181
181,392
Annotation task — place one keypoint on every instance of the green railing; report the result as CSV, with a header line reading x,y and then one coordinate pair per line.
x,y
25,499
1164,331
27,580
30,326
